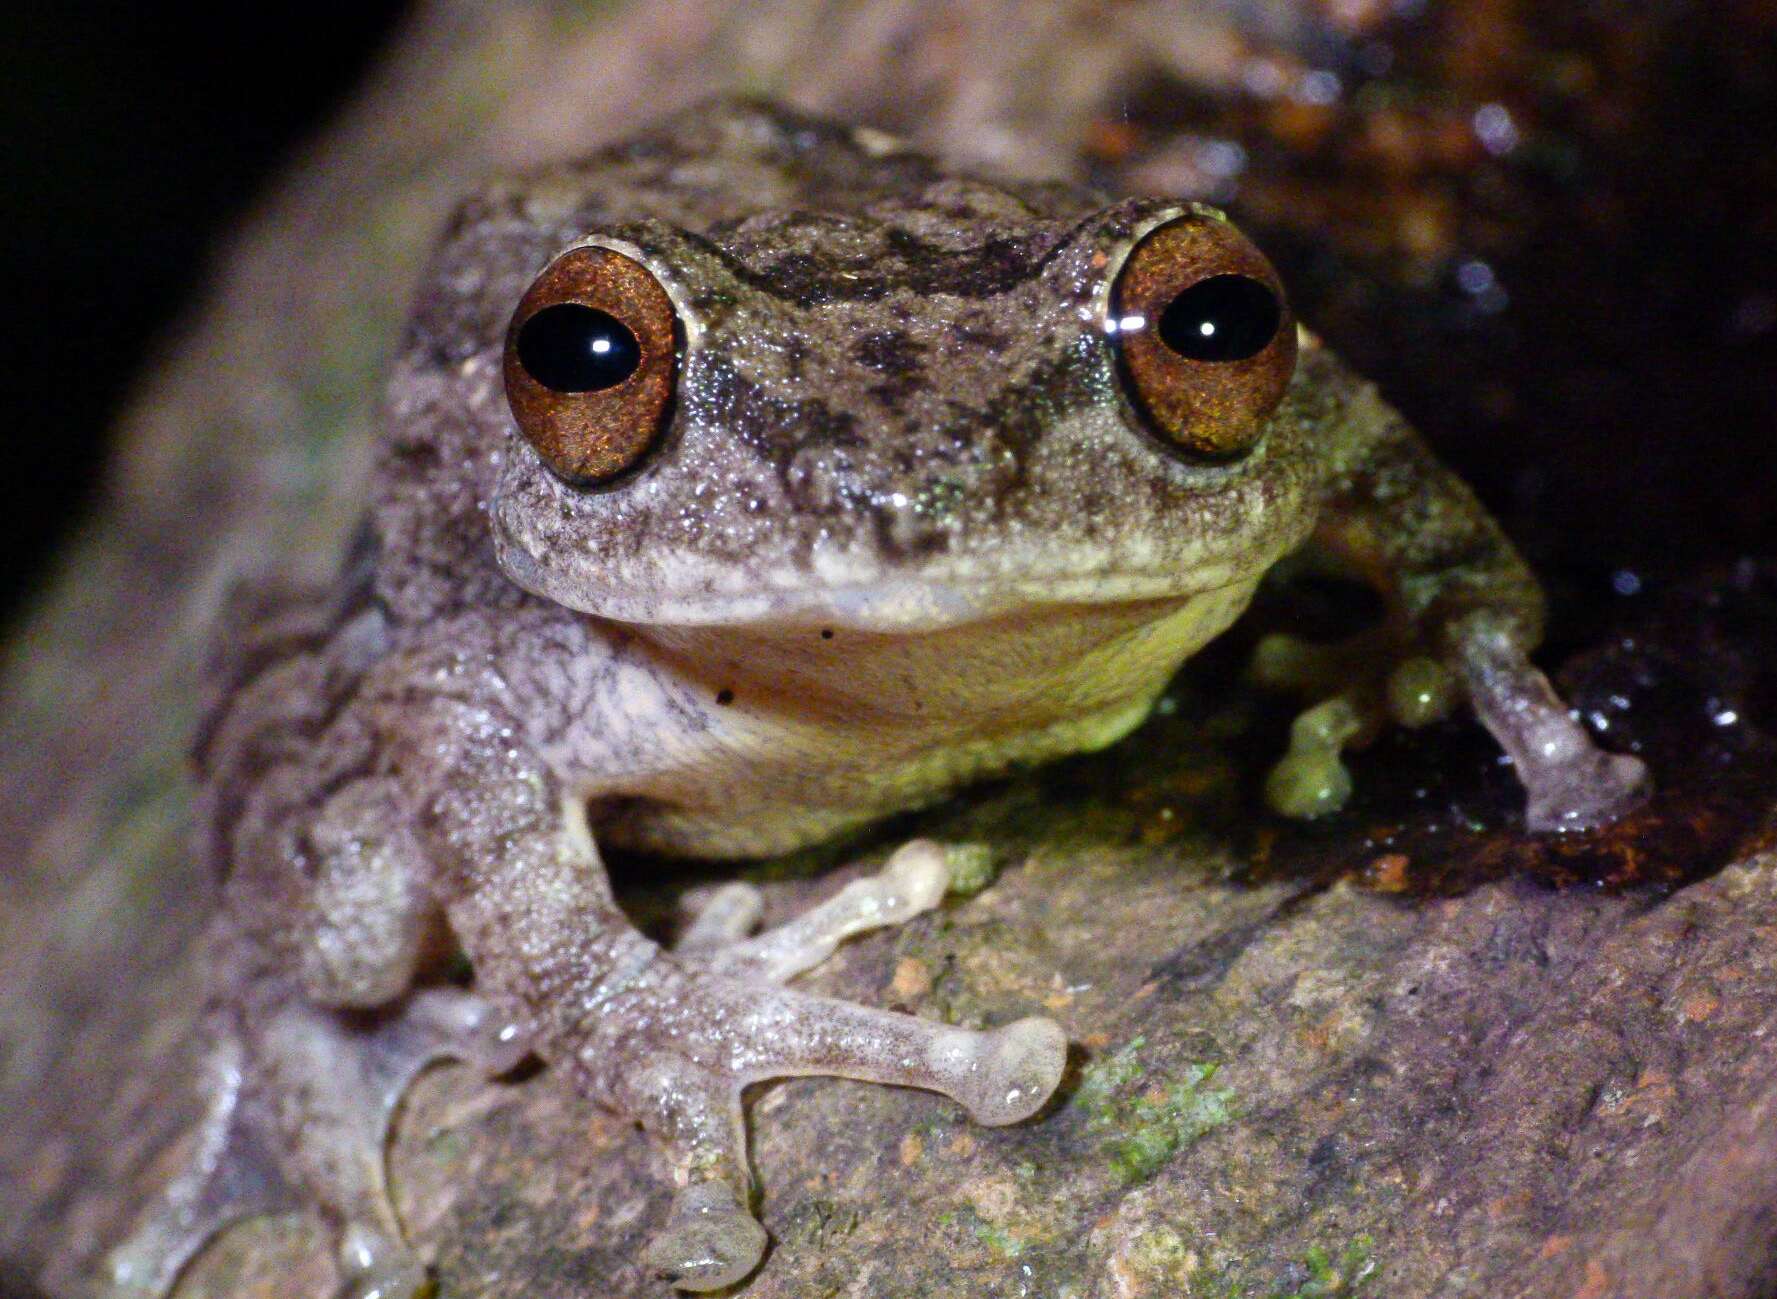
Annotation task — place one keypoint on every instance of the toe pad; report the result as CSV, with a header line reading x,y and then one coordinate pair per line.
x,y
710,1242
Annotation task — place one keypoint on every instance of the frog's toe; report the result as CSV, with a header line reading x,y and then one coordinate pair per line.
x,y
687,1044
710,1239
301,1098
1311,779
230,1174
1020,1067
376,1266
709,1242
449,1023
727,916
1569,782
999,1075
1593,790
913,881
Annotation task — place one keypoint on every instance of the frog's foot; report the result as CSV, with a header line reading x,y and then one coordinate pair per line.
x,y
228,1173
1312,779
1570,782
1360,685
688,1032
301,1101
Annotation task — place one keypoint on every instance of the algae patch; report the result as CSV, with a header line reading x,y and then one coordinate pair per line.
x,y
1004,1244
972,868
1324,1275
1146,1125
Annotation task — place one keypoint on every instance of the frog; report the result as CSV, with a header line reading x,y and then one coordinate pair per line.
x,y
740,485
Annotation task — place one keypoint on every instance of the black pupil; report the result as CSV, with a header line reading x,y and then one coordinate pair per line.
x,y
572,348
1223,318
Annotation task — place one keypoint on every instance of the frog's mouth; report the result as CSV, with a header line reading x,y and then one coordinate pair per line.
x,y
1026,660
915,606
860,590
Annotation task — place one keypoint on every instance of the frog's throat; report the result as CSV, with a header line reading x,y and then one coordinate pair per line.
x,y
1006,672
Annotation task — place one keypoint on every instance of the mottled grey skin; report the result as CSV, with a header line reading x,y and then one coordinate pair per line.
x,y
904,528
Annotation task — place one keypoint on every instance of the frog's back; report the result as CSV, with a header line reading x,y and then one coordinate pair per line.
x,y
717,168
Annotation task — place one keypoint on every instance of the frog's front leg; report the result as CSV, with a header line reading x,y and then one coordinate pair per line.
x,y
1458,591
671,1039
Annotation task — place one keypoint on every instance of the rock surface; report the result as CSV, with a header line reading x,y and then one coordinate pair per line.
x,y
1407,1053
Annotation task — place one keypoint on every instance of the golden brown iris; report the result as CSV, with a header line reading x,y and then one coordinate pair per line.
x,y
1206,336
590,361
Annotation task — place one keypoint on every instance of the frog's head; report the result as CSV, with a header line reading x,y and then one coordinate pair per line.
x,y
762,369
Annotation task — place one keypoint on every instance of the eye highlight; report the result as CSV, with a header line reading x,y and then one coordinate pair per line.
x,y
590,361
1205,336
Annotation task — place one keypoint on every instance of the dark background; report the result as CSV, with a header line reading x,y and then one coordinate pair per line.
x,y
134,136
1619,413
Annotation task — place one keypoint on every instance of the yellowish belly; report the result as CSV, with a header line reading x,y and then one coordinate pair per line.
x,y
814,747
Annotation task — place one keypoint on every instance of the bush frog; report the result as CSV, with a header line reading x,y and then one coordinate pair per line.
x,y
751,480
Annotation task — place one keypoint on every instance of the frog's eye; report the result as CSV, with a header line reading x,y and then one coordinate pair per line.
x,y
1205,335
589,364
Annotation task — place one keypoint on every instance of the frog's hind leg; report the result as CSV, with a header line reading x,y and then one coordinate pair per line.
x,y
913,881
230,1173
302,1101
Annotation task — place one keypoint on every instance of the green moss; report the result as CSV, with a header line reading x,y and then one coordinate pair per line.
x,y
1145,1128
1162,1255
1104,1077
1001,1241
1330,1276
998,1239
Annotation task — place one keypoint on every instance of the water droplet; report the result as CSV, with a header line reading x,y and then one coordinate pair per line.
x,y
1495,129
1319,87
